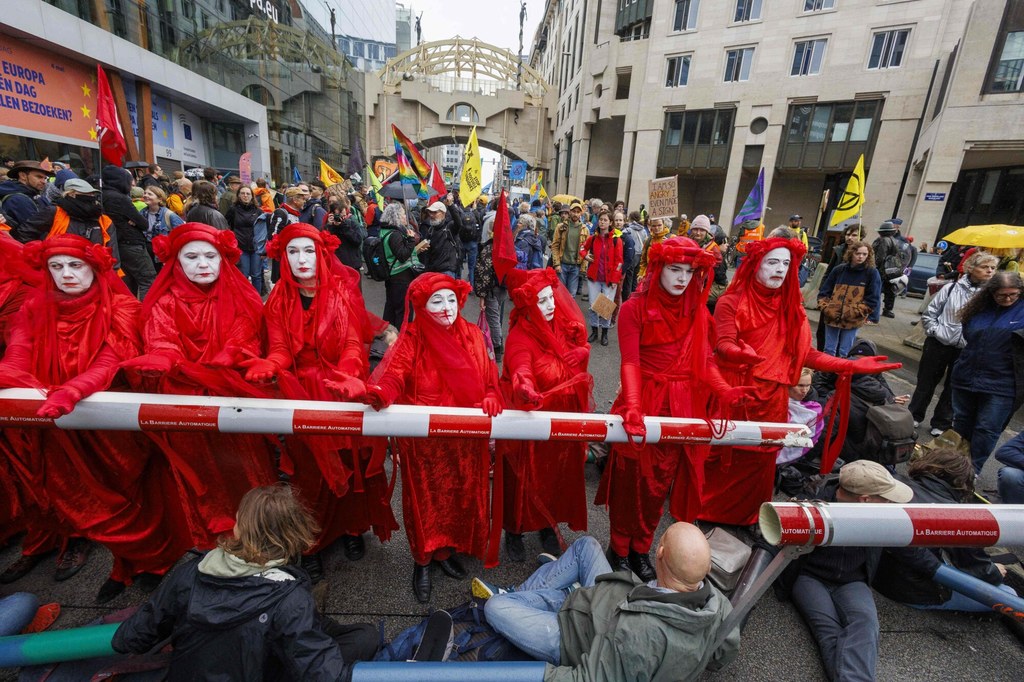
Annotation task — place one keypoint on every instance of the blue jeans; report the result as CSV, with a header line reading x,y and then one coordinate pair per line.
x,y
844,622
471,249
838,342
528,617
571,278
980,418
1011,485
251,265
17,611
593,290
960,602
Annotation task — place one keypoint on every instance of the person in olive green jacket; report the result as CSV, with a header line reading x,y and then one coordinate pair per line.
x,y
616,627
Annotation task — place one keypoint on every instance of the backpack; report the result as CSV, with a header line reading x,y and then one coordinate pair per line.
x,y
637,241
376,261
890,435
475,639
259,233
892,264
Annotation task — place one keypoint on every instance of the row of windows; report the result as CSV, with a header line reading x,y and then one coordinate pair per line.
x,y
366,50
887,50
685,16
1008,75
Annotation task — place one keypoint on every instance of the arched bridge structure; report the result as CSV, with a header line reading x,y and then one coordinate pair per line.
x,y
436,92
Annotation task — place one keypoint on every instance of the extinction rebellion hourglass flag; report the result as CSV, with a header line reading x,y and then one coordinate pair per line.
x,y
852,200
108,127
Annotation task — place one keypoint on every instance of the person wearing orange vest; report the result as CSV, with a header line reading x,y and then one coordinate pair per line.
x,y
748,236
264,196
77,211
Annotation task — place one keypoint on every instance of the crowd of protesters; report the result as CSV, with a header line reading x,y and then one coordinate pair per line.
x,y
220,288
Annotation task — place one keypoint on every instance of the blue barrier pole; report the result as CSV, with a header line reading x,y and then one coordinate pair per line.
x,y
980,591
507,671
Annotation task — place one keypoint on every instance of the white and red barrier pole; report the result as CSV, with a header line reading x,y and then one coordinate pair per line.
x,y
821,524
149,412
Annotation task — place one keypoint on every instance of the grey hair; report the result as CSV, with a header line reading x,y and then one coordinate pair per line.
x,y
392,214
527,220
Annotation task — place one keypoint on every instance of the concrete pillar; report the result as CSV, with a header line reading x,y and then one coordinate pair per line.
x,y
626,163
580,155
645,166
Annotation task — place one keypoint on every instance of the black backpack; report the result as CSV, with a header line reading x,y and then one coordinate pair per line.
x,y
377,266
890,435
892,264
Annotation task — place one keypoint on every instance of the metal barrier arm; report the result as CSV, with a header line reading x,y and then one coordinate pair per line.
x,y
151,412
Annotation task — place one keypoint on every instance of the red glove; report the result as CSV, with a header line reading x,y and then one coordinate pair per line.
x,y
347,388
491,404
874,364
527,393
378,397
738,353
738,396
577,357
151,364
633,416
260,370
59,402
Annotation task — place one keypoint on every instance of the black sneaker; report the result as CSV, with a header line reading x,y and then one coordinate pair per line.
x,y
354,546
641,565
437,640
72,559
314,566
888,313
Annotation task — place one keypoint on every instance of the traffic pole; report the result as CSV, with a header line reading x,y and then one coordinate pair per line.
x,y
151,412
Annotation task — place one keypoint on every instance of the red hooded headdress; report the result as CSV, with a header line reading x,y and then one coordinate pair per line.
x,y
566,331
664,313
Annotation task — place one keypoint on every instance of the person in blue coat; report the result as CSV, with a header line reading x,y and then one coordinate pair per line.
x,y
848,298
1011,476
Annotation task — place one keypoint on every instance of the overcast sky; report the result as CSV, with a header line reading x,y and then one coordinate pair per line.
x,y
493,21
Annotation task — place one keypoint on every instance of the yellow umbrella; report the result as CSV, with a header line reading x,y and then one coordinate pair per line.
x,y
564,198
992,236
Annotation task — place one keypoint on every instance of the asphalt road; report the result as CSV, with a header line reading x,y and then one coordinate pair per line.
x,y
915,645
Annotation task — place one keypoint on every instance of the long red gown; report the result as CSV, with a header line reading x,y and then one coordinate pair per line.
x,y
203,332
445,481
102,485
544,480
313,340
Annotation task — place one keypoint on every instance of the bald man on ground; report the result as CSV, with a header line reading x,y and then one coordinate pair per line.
x,y
593,625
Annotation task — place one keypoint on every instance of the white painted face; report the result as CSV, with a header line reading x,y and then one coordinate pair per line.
x,y
200,261
675,277
546,303
301,253
774,266
72,276
443,307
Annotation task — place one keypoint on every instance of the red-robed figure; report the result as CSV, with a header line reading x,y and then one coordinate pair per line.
x,y
667,370
201,319
69,339
545,368
764,340
441,360
319,334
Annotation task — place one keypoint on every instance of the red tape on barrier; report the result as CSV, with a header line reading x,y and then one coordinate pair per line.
x,y
459,426
327,421
178,418
937,528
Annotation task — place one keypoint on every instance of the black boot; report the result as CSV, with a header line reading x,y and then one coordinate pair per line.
x,y
604,336
641,565
421,585
514,547
618,563
452,567
354,546
313,565
108,590
593,335
549,541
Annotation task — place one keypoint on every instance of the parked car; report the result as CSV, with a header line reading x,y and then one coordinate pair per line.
x,y
924,269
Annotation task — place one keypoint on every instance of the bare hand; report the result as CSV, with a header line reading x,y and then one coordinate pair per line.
x,y
902,399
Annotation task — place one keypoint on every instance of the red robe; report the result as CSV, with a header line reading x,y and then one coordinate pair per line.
x,y
205,340
102,485
544,480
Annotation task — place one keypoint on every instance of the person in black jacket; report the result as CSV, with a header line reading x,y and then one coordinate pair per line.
x,y
241,218
943,476
243,611
204,209
400,244
342,225
444,253
130,229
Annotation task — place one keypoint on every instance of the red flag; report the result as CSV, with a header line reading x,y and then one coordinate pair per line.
x,y
437,181
108,127
504,250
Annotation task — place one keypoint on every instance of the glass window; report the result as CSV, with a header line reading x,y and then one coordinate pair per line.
x,y
675,129
887,49
747,10
819,123
1009,71
798,124
841,123
678,72
690,127
707,124
807,57
685,18
723,127
818,5
737,64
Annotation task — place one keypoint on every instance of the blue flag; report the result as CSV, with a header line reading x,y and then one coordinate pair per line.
x,y
753,207
295,174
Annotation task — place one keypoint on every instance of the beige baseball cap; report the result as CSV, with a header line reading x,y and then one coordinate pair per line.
x,y
865,477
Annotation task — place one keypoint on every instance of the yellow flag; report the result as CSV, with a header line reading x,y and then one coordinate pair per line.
x,y
374,181
852,200
470,184
328,175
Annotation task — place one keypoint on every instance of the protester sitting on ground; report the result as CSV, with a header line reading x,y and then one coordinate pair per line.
x,y
591,624
244,611
942,476
829,586
1011,476
803,409
988,377
21,613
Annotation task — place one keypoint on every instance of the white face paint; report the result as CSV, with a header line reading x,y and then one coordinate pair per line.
x,y
71,275
301,253
546,303
443,307
675,277
200,261
774,266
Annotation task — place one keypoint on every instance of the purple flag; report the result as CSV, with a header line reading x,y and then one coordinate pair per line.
x,y
753,207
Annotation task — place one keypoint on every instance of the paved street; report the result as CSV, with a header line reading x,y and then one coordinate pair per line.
x,y
914,645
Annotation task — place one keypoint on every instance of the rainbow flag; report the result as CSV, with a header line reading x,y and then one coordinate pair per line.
x,y
412,155
408,175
